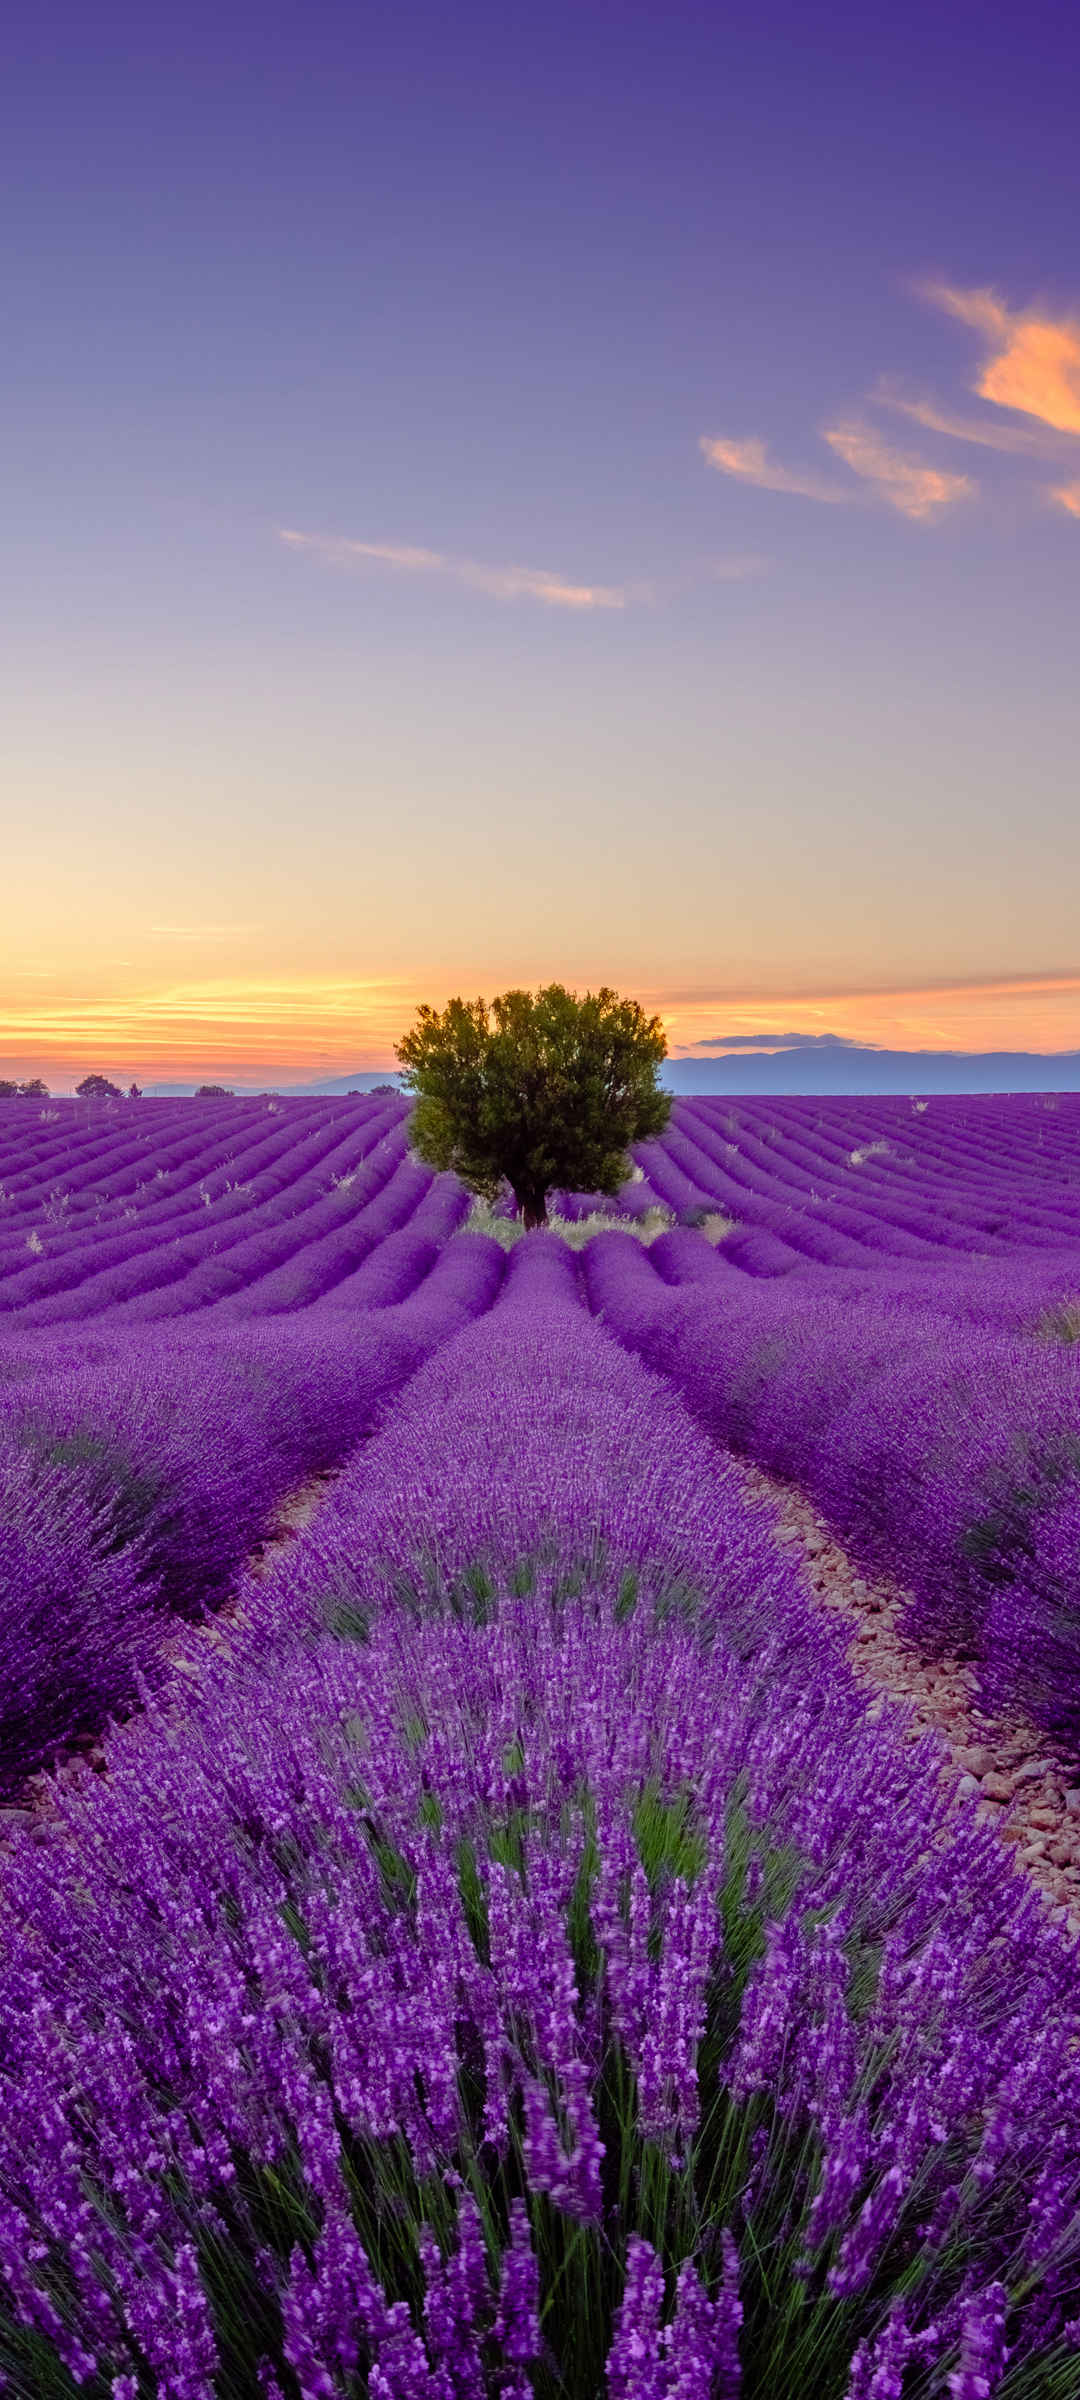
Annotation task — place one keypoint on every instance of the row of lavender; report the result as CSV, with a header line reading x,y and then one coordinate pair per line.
x,y
866,1182
560,1988
159,1210
913,1390
934,1416
938,1431
138,1470
156,1209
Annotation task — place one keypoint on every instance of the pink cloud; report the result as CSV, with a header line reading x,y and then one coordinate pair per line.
x,y
908,484
501,583
749,462
1033,363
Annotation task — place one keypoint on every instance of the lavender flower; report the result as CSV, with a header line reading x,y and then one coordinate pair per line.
x,y
390,2014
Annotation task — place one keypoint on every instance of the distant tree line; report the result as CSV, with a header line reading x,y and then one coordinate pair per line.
x,y
100,1087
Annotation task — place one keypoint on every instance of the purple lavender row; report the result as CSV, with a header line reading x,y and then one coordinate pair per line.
x,y
214,1270
548,1981
152,1249
896,1187
172,1148
877,1196
74,1206
941,1440
137,1475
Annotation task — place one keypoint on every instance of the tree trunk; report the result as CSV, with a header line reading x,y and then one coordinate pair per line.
x,y
532,1209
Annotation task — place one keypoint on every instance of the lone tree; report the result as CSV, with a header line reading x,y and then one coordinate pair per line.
x,y
540,1091
97,1087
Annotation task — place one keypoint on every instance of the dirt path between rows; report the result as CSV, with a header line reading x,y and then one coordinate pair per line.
x,y
1029,1794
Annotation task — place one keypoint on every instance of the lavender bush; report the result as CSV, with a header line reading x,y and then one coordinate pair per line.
x,y
885,1324
136,1476
560,1988
942,1441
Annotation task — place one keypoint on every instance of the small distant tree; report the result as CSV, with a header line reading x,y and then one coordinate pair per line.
x,y
33,1089
541,1090
134,1091
98,1087
214,1091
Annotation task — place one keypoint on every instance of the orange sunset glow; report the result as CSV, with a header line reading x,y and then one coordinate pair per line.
x,y
305,1029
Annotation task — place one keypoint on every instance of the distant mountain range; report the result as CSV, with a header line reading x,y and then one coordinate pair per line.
x,y
824,1063
808,1063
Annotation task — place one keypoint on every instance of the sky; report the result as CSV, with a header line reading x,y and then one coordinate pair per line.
x,y
498,494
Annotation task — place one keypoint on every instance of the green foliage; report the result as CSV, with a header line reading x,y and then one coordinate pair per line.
x,y
214,1091
97,1087
539,1090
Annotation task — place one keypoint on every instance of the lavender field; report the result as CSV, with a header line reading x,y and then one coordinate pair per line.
x,y
465,1928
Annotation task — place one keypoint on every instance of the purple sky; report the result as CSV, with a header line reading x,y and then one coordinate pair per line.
x,y
493,492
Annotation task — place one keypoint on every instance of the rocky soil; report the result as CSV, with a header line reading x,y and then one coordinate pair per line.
x,y
1030,1796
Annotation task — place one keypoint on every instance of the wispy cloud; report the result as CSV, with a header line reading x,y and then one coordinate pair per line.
x,y
749,462
751,1008
908,484
777,1041
1033,361
235,1026
501,583
1018,441
202,933
1038,1011
1067,496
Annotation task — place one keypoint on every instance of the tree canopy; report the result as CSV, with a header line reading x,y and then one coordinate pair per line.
x,y
97,1087
32,1089
540,1090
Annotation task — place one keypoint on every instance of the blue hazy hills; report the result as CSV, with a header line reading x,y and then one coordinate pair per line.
x,y
814,1064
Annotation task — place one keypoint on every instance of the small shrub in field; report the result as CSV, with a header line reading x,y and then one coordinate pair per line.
x,y
1061,1323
